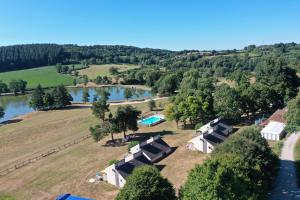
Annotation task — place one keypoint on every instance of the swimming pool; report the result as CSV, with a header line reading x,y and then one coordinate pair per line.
x,y
152,120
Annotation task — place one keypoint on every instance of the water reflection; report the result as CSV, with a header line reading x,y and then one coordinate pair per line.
x,y
18,105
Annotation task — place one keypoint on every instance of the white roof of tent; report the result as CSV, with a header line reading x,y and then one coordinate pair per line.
x,y
274,128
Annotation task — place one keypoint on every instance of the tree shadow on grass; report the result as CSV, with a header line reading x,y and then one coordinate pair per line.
x,y
146,135
71,107
140,137
116,143
11,121
160,167
235,130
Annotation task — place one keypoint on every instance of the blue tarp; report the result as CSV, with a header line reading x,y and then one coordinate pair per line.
x,y
70,197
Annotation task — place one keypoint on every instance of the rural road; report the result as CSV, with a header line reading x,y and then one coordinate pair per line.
x,y
286,182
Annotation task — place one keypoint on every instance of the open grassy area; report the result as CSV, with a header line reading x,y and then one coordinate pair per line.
x,y
68,171
103,70
276,146
297,159
46,76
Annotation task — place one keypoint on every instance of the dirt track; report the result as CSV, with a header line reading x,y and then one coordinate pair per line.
x,y
286,183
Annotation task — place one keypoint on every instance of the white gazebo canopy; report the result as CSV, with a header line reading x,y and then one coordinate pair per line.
x,y
273,127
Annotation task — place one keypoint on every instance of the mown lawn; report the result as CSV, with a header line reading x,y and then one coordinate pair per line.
x,y
103,70
297,159
46,76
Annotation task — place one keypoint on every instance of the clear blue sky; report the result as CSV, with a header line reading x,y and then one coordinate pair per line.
x,y
169,24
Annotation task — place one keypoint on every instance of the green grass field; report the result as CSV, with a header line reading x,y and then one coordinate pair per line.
x,y
46,76
103,70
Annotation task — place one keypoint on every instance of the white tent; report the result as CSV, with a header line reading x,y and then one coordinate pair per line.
x,y
273,131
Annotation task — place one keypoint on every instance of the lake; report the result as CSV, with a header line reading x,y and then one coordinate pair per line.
x,y
18,105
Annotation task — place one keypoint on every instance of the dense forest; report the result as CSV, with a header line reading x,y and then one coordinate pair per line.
x,y
219,62
35,55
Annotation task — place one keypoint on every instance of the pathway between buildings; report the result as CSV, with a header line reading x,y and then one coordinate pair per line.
x,y
286,182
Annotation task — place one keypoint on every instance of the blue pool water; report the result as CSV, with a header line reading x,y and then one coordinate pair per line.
x,y
150,120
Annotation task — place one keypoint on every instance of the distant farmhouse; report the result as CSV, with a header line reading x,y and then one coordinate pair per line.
x,y
145,153
209,135
274,126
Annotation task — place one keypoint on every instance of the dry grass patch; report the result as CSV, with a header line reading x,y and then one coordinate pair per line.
x,y
68,171
103,70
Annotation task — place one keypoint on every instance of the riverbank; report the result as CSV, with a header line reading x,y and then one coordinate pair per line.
x,y
89,85
94,85
84,105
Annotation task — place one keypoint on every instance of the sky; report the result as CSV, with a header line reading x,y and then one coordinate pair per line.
x,y
166,24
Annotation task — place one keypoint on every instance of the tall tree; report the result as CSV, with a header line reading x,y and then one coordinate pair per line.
x,y
227,103
126,118
48,101
37,98
14,87
3,87
151,104
112,126
99,108
85,96
128,93
99,131
104,94
61,97
293,114
146,183
85,80
171,112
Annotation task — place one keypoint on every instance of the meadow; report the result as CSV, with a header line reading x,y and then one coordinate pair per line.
x,y
103,70
69,170
46,76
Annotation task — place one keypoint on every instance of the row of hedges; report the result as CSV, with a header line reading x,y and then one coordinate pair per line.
x,y
243,167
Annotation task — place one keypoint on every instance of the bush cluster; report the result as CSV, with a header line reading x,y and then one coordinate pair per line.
x,y
242,167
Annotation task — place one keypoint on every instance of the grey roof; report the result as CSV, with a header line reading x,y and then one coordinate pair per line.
x,y
220,133
155,150
213,139
126,168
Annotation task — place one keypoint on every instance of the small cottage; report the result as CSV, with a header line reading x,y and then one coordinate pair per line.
x,y
154,149
116,174
145,153
209,135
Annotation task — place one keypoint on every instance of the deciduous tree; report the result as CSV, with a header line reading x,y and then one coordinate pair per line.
x,y
37,98
99,108
126,118
146,183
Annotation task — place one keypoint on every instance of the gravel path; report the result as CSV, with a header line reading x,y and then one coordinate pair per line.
x,y
286,182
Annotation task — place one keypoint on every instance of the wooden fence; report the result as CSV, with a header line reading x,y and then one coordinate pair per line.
x,y
19,164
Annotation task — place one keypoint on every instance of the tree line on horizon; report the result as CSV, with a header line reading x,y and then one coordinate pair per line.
x,y
25,56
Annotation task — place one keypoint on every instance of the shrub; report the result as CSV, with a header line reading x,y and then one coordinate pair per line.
x,y
198,125
243,167
132,144
113,161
